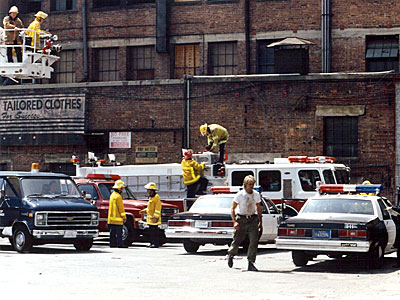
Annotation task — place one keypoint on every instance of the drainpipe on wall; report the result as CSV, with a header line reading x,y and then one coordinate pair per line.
x,y
397,143
186,96
247,34
85,44
326,36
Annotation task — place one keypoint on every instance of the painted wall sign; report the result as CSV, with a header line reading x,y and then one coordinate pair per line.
x,y
120,140
42,114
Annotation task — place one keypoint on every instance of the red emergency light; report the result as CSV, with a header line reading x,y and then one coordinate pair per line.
x,y
104,176
312,159
225,189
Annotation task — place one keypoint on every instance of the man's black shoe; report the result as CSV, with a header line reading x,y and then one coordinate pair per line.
x,y
122,246
230,261
251,267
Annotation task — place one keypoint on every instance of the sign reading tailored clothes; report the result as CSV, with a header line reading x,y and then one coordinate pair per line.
x,y
42,114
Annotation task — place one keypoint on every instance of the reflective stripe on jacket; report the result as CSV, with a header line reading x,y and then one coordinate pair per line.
x,y
191,170
116,210
154,210
217,136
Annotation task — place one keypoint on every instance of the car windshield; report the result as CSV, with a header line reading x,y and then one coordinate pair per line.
x,y
212,203
106,190
339,206
47,186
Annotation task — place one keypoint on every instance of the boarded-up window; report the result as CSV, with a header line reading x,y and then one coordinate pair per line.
x,y
187,60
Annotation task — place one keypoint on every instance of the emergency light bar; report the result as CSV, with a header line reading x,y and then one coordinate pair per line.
x,y
311,159
351,188
103,176
231,189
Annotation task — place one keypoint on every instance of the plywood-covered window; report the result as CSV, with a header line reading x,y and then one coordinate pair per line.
x,y
187,60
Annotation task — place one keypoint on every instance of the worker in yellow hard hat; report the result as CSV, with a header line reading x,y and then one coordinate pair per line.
x,y
216,136
367,182
153,212
34,30
192,175
12,24
116,215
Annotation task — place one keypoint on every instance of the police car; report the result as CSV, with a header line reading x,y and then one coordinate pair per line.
x,y
341,220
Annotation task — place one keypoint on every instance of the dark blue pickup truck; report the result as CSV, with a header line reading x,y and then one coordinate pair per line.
x,y
45,208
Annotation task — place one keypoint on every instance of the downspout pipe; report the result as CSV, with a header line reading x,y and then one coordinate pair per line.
x,y
326,35
186,95
247,34
85,42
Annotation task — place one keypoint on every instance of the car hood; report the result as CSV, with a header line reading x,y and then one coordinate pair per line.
x,y
201,216
58,203
334,218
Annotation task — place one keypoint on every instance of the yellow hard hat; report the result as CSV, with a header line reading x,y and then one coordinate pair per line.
x,y
14,9
151,186
366,182
203,129
119,184
41,14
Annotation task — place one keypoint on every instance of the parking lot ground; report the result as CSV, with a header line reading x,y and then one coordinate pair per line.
x,y
60,272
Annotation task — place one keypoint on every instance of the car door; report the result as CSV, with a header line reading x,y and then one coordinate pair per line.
x,y
10,201
270,222
389,224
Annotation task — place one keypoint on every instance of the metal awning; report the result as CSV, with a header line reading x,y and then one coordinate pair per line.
x,y
291,42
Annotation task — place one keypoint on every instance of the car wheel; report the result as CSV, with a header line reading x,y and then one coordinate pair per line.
x,y
375,257
83,244
300,259
22,239
129,234
190,247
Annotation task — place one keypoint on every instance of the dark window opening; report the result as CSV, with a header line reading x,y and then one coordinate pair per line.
x,y
270,181
308,179
265,57
222,58
382,53
341,136
62,5
140,65
106,64
238,177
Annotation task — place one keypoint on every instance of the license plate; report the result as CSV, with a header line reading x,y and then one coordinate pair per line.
x,y
201,224
322,234
70,234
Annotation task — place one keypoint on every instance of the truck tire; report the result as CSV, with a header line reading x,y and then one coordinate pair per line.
x,y
375,257
300,259
22,239
129,234
83,244
190,247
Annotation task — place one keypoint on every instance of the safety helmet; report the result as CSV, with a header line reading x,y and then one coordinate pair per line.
x,y
203,129
366,182
14,9
188,154
119,184
151,186
41,14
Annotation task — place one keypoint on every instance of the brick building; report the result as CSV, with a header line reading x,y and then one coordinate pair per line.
x,y
123,63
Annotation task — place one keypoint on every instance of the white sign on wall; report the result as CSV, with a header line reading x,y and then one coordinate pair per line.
x,y
121,140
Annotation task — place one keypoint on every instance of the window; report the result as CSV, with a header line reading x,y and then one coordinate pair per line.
x,y
64,69
187,60
341,136
270,181
30,6
140,63
328,177
342,176
238,177
106,64
222,58
265,57
89,189
62,5
105,3
132,2
308,179
382,53
385,212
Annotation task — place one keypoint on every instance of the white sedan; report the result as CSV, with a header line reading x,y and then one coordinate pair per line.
x,y
208,221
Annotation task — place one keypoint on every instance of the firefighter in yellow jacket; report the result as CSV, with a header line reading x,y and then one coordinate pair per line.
x,y
34,30
116,215
153,212
216,136
192,175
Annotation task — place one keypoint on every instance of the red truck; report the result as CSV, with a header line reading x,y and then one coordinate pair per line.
x,y
98,188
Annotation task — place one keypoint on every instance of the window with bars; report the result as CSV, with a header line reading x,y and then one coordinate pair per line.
x,y
341,136
64,69
62,5
106,64
222,58
187,60
106,3
382,53
265,57
140,64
